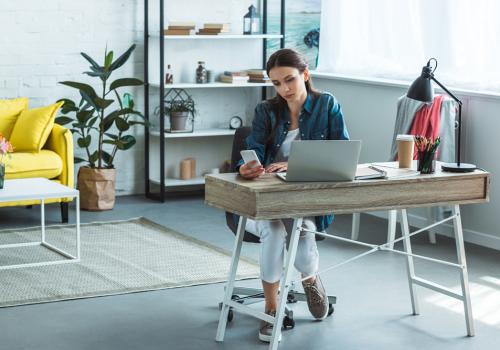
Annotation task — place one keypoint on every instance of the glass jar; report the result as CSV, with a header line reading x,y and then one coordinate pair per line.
x,y
201,73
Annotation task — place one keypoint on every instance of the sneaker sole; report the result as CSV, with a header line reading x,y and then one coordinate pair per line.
x,y
267,338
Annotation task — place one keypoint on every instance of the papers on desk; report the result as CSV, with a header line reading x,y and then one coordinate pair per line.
x,y
366,172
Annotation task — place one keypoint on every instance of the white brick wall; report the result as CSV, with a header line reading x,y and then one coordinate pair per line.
x,y
40,45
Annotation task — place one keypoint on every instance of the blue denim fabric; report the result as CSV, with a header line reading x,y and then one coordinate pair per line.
x,y
320,119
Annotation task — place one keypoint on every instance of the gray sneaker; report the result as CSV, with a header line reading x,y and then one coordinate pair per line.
x,y
317,300
266,329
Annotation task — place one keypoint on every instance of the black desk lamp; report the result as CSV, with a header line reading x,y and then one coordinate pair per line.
x,y
421,90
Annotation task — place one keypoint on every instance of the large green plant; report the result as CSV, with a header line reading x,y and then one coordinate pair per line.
x,y
91,118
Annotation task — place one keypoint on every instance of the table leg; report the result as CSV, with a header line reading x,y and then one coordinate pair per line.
x,y
464,278
42,209
78,246
285,282
221,329
410,269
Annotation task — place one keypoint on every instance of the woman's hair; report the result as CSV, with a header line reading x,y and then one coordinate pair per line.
x,y
286,58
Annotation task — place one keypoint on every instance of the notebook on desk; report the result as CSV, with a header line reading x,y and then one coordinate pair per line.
x,y
322,160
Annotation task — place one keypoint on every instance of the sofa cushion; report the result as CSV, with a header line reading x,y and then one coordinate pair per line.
x,y
45,163
33,127
9,112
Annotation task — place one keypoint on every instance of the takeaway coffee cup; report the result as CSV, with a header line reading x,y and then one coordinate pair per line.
x,y
406,144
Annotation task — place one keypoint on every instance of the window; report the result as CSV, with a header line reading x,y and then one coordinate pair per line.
x,y
394,39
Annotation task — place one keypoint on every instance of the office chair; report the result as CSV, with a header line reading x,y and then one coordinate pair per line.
x,y
253,295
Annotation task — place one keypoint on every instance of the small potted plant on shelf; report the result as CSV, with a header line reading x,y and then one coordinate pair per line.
x,y
99,132
179,105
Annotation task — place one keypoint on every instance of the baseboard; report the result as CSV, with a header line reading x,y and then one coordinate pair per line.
x,y
470,236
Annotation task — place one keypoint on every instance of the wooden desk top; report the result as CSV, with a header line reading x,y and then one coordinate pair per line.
x,y
268,197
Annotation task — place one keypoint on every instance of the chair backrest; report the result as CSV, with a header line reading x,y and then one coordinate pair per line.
x,y
239,144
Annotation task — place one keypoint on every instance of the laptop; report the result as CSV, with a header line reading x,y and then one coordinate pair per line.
x,y
322,160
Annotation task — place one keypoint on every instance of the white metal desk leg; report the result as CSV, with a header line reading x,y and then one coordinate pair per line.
x,y
410,269
285,282
42,214
459,240
392,220
355,226
221,329
431,218
78,227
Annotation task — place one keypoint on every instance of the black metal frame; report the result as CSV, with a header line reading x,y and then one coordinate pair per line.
x,y
161,195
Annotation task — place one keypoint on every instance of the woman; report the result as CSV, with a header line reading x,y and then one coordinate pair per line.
x,y
298,112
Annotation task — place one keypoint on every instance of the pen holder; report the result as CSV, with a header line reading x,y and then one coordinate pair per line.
x,y
426,163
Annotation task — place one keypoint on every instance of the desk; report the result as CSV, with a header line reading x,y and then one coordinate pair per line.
x,y
270,198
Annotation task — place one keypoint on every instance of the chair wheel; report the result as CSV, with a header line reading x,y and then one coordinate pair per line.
x,y
237,298
290,299
288,323
330,309
230,315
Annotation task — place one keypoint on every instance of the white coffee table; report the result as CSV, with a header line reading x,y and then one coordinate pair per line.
x,y
40,189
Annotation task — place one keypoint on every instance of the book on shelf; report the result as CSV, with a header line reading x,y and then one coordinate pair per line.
x,y
237,73
178,32
233,79
181,27
257,80
223,26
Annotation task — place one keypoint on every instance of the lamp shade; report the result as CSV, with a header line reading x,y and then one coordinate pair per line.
x,y
421,89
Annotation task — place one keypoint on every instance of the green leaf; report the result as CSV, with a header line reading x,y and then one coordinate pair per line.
x,y
126,142
122,124
102,103
107,158
83,116
68,106
79,160
92,121
63,120
133,122
89,90
108,122
89,100
94,74
94,157
120,61
90,59
110,142
111,136
84,142
125,82
108,60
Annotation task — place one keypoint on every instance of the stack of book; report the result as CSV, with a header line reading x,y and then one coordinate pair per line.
x,y
180,28
234,77
257,76
214,29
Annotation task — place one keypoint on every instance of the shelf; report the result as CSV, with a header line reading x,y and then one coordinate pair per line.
x,y
170,182
219,37
209,85
196,133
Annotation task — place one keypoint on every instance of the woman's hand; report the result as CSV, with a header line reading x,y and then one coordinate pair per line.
x,y
251,171
277,167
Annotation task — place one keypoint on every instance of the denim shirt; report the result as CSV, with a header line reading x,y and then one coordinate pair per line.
x,y
320,119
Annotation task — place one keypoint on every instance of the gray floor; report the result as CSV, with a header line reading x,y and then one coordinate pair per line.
x,y
373,310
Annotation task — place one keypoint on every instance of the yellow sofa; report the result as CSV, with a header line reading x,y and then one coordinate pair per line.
x,y
54,161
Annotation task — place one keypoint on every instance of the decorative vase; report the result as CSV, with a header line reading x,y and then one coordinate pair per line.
x,y
201,73
2,175
178,120
97,188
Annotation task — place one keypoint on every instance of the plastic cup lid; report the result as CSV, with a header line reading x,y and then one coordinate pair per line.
x,y
402,137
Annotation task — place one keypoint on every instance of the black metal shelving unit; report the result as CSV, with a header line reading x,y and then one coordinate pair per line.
x,y
160,196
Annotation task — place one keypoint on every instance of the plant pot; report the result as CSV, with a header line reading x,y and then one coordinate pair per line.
x,y
97,188
178,120
2,175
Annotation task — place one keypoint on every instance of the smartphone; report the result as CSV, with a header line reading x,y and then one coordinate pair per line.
x,y
249,155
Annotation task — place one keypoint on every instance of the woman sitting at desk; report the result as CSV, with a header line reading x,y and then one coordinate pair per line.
x,y
298,112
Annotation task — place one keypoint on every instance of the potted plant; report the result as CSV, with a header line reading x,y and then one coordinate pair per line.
x,y
179,105
5,149
93,119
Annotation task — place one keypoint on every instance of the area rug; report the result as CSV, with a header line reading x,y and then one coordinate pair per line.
x,y
116,258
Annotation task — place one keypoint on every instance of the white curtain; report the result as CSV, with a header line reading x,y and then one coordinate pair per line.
x,y
395,38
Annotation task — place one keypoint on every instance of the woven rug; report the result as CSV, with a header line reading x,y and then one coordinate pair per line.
x,y
116,258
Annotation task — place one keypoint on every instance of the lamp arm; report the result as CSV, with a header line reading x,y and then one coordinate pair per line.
x,y
459,115
446,90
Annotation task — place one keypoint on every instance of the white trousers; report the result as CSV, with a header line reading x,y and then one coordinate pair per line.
x,y
273,238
